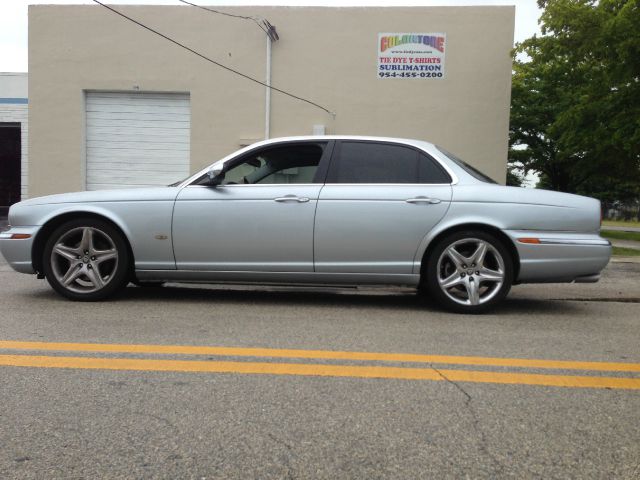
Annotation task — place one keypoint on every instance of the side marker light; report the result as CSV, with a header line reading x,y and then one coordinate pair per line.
x,y
535,241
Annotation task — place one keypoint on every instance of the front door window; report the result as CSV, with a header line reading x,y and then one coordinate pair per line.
x,y
287,164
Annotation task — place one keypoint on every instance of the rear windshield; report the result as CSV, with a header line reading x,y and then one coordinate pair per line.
x,y
474,172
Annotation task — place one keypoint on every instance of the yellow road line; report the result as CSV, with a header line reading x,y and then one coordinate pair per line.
x,y
322,354
318,370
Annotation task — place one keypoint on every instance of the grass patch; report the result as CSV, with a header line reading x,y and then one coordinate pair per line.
x,y
618,235
620,223
625,252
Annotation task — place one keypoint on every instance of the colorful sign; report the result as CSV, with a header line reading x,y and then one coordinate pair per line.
x,y
411,55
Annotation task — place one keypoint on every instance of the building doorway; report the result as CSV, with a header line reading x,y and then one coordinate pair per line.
x,y
10,161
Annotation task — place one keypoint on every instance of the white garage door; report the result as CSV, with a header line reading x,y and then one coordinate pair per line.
x,y
136,139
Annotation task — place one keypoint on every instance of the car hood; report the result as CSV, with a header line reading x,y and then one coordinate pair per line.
x,y
117,195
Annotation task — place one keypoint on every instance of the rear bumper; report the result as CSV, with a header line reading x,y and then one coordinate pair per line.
x,y
17,252
560,257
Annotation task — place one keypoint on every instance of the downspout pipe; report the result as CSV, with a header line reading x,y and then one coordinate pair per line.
x,y
267,93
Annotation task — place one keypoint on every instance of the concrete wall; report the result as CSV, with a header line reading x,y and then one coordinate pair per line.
x,y
14,109
325,54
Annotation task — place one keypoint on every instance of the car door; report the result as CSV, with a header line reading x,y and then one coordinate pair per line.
x,y
260,218
379,202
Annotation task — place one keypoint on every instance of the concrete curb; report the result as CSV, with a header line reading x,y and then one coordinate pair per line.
x,y
620,229
625,243
625,259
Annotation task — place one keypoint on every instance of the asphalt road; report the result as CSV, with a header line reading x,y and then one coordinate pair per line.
x,y
96,407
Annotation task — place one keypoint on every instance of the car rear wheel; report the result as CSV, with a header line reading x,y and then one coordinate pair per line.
x,y
469,272
86,260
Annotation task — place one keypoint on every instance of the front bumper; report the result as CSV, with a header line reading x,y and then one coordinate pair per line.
x,y
560,256
17,251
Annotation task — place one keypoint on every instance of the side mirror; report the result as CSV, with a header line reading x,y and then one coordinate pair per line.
x,y
216,175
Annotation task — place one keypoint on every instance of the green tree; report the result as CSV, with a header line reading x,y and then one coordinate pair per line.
x,y
575,112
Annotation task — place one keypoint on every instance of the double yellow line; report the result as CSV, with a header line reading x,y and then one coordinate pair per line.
x,y
323,370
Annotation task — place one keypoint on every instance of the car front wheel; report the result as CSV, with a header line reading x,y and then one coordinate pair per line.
x,y
469,272
86,260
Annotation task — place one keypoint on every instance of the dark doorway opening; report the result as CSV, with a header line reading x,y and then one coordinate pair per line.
x,y
10,160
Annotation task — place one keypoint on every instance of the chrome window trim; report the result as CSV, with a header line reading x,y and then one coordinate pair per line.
x,y
390,184
420,145
327,184
259,185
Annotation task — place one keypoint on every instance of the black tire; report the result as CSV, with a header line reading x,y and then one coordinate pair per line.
x,y
474,288
91,276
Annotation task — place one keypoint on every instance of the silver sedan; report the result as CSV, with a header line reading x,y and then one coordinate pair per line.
x,y
330,210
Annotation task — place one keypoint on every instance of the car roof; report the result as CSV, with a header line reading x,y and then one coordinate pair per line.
x,y
407,141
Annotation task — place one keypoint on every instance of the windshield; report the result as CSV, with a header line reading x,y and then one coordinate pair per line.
x,y
474,172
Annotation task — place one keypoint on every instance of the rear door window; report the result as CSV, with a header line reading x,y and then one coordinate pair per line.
x,y
373,162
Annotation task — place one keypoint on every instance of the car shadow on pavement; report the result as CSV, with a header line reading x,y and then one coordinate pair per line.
x,y
393,299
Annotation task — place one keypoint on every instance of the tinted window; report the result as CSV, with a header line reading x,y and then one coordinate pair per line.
x,y
294,163
368,162
431,171
474,172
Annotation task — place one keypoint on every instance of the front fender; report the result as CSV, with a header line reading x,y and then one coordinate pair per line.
x,y
145,224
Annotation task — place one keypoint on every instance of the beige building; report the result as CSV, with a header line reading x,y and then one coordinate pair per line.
x,y
112,104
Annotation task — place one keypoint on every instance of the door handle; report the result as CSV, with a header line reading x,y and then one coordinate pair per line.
x,y
291,198
430,201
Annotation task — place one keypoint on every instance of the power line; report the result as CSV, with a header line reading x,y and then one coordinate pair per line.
x,y
229,69
261,22
243,17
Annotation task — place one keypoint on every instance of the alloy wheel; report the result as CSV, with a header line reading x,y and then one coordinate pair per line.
x,y
84,259
470,271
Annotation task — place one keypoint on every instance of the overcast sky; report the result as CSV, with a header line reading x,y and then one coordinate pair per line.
x,y
13,18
